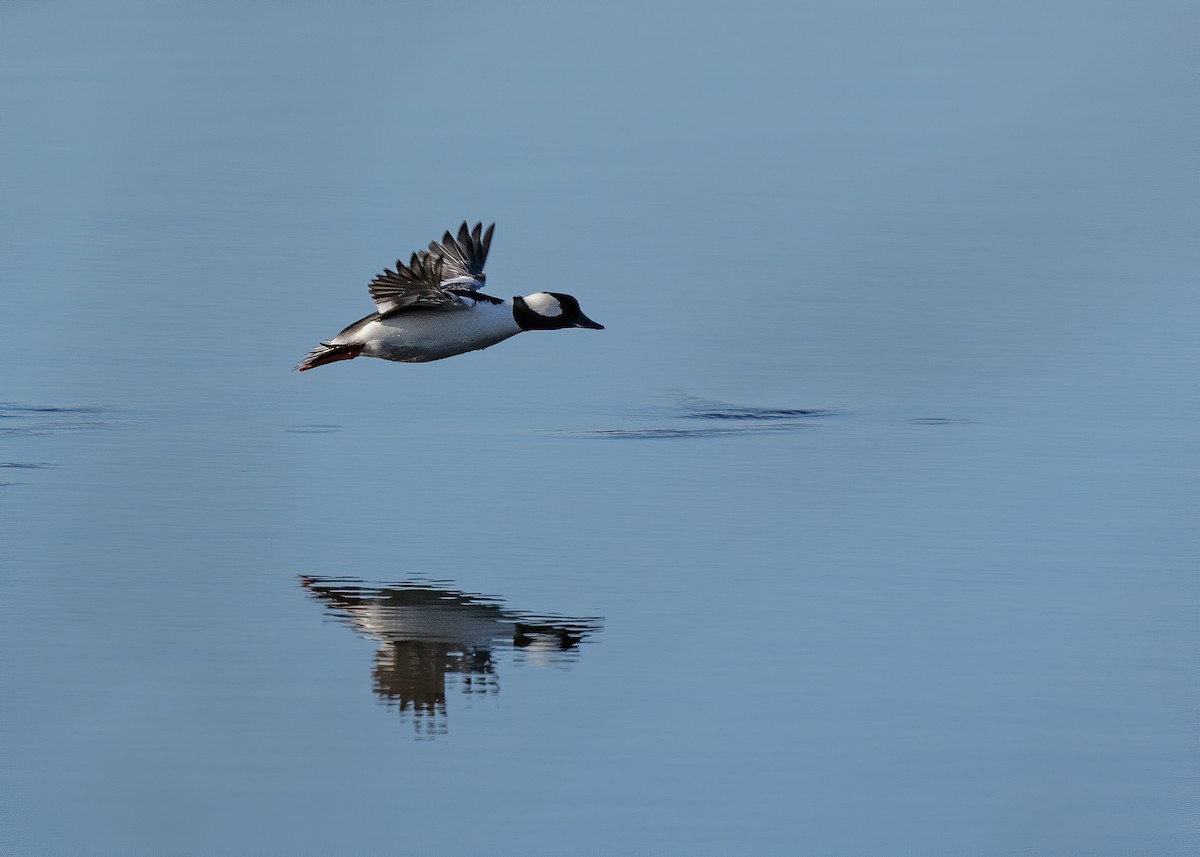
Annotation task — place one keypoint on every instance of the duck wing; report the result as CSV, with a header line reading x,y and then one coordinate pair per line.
x,y
465,255
415,285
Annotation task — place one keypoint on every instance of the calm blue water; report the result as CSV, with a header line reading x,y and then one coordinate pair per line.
x,y
867,526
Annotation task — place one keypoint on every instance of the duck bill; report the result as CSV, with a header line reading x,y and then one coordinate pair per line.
x,y
584,321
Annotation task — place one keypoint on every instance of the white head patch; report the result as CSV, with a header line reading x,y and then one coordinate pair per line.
x,y
544,304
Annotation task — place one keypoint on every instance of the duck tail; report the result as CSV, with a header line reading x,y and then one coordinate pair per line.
x,y
327,352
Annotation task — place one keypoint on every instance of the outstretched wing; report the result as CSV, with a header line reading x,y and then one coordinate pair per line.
x,y
464,256
417,284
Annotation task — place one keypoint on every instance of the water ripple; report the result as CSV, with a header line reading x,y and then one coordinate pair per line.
x,y
27,420
709,409
939,421
746,420
662,433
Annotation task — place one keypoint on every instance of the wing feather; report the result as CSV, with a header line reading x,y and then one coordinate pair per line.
x,y
465,255
415,285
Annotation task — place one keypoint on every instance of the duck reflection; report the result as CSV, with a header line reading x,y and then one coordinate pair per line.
x,y
428,632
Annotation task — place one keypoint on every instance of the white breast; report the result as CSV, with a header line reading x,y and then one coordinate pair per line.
x,y
420,336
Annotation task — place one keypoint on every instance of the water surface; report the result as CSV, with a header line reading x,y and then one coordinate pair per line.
x,y
866,526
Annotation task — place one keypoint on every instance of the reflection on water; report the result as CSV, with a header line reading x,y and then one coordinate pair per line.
x,y
429,633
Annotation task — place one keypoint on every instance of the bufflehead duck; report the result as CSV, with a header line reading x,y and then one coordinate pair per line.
x,y
432,308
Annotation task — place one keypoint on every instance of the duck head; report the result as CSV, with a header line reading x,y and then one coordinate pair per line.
x,y
550,311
